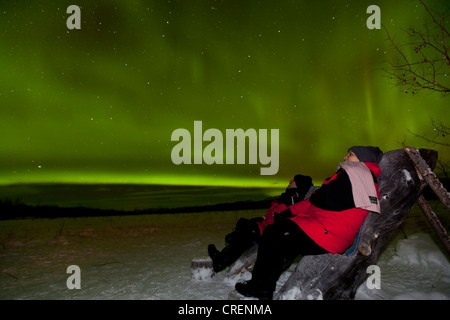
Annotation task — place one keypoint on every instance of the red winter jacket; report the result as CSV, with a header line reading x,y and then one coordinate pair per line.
x,y
269,218
334,231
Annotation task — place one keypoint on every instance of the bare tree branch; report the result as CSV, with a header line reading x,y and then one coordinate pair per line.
x,y
441,131
425,62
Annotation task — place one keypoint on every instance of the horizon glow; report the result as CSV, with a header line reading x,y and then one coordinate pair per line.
x,y
99,104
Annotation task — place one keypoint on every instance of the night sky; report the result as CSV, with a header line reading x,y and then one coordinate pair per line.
x,y
99,104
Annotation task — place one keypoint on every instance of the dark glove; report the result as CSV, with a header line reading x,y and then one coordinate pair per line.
x,y
283,215
289,197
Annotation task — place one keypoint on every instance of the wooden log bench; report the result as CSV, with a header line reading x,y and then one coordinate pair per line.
x,y
338,276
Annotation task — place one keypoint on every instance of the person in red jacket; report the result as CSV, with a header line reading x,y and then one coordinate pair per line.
x,y
249,231
327,222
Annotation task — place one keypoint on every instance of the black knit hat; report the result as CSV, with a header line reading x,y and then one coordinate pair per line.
x,y
367,154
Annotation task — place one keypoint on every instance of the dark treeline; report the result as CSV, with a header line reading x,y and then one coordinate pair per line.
x,y
15,209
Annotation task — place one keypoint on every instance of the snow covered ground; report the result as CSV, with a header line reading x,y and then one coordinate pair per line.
x,y
149,257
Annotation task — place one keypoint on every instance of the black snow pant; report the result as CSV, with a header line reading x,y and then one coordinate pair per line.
x,y
244,236
281,243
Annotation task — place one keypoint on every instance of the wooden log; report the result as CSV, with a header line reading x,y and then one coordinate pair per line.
x,y
202,269
307,280
337,276
244,263
429,176
435,223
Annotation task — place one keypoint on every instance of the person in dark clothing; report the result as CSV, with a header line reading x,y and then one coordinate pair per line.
x,y
327,222
248,231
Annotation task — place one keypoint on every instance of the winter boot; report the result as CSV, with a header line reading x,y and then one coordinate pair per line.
x,y
228,255
217,258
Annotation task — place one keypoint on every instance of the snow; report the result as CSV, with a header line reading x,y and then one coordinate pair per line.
x,y
415,269
149,257
407,175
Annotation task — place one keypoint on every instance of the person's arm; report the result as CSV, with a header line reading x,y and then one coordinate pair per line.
x,y
336,195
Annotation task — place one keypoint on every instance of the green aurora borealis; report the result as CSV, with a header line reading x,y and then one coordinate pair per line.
x,y
99,105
